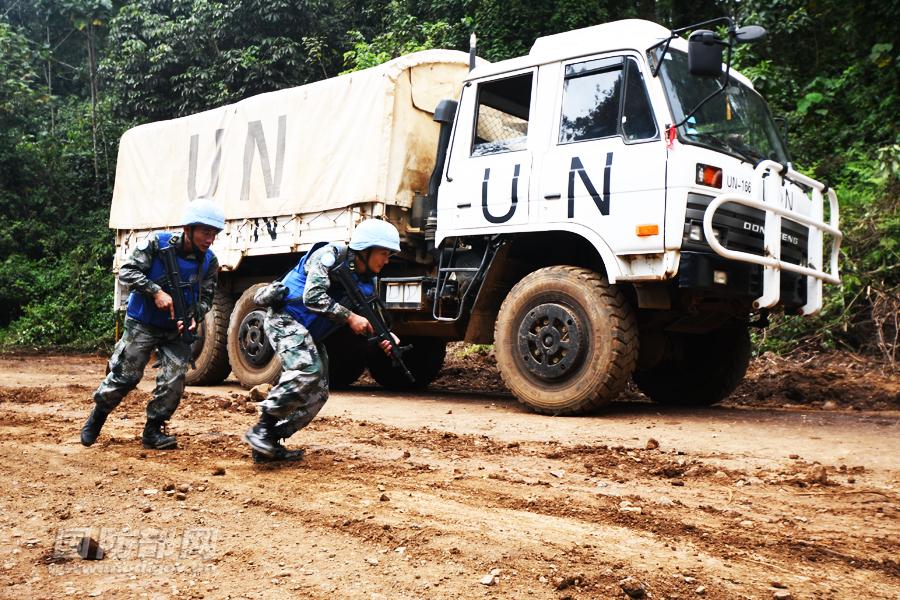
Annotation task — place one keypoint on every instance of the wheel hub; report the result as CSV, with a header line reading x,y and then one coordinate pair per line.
x,y
255,347
550,341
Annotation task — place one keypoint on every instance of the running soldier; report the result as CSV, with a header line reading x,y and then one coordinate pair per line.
x,y
150,322
304,308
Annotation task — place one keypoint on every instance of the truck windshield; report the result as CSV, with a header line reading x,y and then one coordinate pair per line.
x,y
736,121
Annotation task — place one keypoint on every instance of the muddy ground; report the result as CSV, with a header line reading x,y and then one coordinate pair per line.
x,y
789,489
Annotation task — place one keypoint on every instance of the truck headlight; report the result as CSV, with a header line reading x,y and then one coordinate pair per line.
x,y
695,233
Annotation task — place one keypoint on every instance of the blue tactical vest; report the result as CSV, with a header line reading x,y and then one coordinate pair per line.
x,y
142,307
318,325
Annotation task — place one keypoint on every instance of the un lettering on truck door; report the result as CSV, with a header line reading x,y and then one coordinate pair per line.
x,y
606,156
494,175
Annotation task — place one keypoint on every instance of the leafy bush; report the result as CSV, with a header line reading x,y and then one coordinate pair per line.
x,y
862,313
68,301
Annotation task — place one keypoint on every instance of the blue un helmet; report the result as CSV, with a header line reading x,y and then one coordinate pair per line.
x,y
375,233
203,211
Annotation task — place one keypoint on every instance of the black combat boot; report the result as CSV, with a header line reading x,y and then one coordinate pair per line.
x,y
92,426
262,436
284,429
281,454
281,431
154,438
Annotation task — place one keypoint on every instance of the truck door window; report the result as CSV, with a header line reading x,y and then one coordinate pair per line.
x,y
593,105
637,117
502,115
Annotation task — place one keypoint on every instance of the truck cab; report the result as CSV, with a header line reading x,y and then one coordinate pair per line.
x,y
580,188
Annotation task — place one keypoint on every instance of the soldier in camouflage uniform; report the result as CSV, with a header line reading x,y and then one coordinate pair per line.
x,y
304,308
150,324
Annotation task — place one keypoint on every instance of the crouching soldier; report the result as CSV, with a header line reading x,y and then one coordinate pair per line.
x,y
304,308
150,322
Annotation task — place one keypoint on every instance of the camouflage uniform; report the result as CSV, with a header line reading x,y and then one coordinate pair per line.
x,y
302,390
132,352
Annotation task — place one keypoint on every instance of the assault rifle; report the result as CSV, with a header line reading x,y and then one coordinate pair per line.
x,y
174,286
363,307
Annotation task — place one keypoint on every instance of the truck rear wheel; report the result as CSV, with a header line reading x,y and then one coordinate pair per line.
x,y
346,357
253,360
698,370
424,361
210,351
566,341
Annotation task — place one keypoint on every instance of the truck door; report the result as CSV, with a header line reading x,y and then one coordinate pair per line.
x,y
489,167
606,164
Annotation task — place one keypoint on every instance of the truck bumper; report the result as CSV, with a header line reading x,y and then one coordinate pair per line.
x,y
716,276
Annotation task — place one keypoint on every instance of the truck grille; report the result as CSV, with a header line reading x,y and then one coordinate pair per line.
x,y
742,228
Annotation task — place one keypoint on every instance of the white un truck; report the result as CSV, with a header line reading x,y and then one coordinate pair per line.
x,y
618,204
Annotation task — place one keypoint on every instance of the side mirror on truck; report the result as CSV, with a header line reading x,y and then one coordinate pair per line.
x,y
749,33
705,54
705,48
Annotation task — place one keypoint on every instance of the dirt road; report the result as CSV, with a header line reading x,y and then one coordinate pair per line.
x,y
445,495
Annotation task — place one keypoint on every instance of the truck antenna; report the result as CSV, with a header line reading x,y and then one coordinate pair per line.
x,y
472,41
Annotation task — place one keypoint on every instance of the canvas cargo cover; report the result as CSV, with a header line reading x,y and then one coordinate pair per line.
x,y
362,137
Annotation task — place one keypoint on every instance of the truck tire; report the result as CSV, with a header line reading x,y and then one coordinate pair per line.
x,y
210,351
566,341
424,361
698,370
346,357
252,358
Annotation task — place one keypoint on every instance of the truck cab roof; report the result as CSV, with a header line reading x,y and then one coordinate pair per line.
x,y
627,34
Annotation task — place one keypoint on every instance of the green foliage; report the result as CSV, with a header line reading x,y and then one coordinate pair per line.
x,y
54,275
168,59
832,69
861,313
414,37
505,28
407,27
74,74
68,300
17,78
467,350
48,196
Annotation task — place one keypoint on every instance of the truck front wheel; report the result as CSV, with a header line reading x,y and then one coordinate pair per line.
x,y
698,370
424,361
346,357
566,341
252,358
210,351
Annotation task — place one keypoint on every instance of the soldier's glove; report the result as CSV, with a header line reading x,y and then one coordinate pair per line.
x,y
272,295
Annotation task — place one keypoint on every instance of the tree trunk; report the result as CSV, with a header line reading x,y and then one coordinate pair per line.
x,y
50,83
92,66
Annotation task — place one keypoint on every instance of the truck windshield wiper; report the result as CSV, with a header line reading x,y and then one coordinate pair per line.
x,y
736,142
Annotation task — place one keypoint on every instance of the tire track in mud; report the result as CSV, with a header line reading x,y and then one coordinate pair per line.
x,y
468,503
705,535
480,534
461,495
601,510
